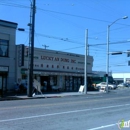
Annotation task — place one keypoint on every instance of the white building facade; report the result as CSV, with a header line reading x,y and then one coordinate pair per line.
x,y
55,68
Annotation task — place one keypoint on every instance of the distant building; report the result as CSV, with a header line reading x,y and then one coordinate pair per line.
x,y
121,77
7,54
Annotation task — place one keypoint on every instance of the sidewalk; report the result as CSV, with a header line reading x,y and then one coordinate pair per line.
x,y
47,95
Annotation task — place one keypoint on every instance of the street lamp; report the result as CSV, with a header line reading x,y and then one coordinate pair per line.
x,y
107,66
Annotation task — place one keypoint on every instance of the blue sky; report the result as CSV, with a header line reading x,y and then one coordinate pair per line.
x,y
61,25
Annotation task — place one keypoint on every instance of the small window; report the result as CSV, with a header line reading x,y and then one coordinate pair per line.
x,y
52,66
72,68
57,66
47,66
67,67
4,47
41,65
63,67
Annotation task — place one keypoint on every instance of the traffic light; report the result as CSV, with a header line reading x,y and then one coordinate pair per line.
x,y
106,75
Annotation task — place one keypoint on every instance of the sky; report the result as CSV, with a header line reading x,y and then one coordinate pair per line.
x,y
61,25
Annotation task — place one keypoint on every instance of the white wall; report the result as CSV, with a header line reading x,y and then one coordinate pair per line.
x,y
124,76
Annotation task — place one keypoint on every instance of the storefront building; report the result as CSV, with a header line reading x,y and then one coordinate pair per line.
x,y
7,55
54,68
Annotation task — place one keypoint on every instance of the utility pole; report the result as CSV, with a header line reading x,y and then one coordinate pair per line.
x,y
85,65
29,54
32,50
45,46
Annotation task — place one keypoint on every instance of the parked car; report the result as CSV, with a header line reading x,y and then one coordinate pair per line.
x,y
123,85
104,84
127,84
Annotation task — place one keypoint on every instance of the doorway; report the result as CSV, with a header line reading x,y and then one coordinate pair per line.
x,y
3,83
45,83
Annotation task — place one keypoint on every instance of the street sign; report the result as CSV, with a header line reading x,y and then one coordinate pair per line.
x,y
116,53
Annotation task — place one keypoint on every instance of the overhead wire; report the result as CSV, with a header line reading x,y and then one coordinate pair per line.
x,y
18,5
64,14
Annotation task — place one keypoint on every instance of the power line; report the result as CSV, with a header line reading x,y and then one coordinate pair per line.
x,y
14,5
67,14
73,15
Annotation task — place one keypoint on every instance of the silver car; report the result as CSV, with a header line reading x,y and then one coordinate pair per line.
x,y
104,84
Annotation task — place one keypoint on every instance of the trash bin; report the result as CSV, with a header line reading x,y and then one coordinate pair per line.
x,y
1,93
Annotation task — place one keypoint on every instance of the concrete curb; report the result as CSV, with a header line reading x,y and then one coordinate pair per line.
x,y
48,96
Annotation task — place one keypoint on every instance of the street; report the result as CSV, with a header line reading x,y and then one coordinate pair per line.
x,y
82,112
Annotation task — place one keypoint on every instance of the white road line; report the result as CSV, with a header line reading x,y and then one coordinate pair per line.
x,y
102,127
61,113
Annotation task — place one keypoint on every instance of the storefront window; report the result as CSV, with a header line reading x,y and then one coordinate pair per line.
x,y
24,76
53,80
4,46
69,83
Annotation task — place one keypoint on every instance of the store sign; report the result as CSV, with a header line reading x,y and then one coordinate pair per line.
x,y
4,68
21,55
58,59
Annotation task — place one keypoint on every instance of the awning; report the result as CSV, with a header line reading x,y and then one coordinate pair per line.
x,y
65,73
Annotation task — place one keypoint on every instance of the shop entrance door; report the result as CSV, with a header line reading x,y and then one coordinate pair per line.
x,y
45,83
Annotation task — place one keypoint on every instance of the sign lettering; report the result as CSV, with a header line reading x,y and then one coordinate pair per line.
x,y
58,59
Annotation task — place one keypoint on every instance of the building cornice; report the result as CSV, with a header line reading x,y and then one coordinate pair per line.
x,y
8,24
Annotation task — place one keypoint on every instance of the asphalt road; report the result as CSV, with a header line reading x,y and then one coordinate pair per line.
x,y
86,112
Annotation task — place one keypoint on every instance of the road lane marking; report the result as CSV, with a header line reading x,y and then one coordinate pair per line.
x,y
64,103
62,113
102,127
106,126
